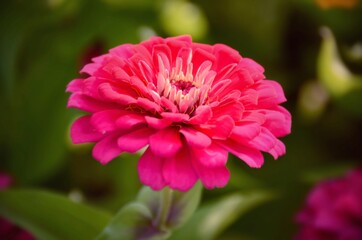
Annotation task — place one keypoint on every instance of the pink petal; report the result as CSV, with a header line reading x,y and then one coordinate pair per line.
x,y
278,149
107,149
246,132
221,129
166,142
105,121
225,56
200,56
255,70
83,131
225,72
175,117
168,104
178,171
108,93
157,123
195,138
264,141
129,120
277,121
202,115
123,51
88,104
210,165
212,156
148,105
270,93
250,156
90,68
150,170
212,177
230,107
75,85
134,141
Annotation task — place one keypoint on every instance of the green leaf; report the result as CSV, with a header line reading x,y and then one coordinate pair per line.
x,y
183,204
51,216
341,83
154,215
133,221
211,220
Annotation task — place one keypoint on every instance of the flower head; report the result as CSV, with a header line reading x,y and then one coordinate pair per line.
x,y
189,103
333,210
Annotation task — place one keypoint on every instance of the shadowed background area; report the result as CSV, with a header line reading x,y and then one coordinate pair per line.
x,y
302,44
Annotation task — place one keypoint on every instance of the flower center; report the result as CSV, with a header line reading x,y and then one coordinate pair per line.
x,y
183,85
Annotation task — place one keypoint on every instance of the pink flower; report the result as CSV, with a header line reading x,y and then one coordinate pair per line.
x,y
189,103
333,210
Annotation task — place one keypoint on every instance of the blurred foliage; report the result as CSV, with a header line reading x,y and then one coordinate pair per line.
x,y
69,220
44,43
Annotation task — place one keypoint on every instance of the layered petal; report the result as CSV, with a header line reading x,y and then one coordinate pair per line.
x,y
107,149
179,172
83,131
150,170
190,103
166,142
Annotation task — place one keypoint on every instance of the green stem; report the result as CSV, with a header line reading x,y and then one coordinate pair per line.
x,y
165,206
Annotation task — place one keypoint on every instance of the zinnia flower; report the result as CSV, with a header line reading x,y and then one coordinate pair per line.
x,y
189,103
333,210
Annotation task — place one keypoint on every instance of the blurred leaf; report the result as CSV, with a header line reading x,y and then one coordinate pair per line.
x,y
183,204
153,215
181,17
50,216
337,78
210,221
312,102
134,221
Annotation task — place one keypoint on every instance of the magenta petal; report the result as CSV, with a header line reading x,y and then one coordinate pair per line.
x,y
148,105
150,170
107,149
178,171
245,132
250,156
202,115
270,93
212,177
88,104
210,165
221,129
278,149
75,86
175,117
129,120
213,156
109,94
166,142
157,123
82,131
134,141
195,138
105,121
90,68
278,121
